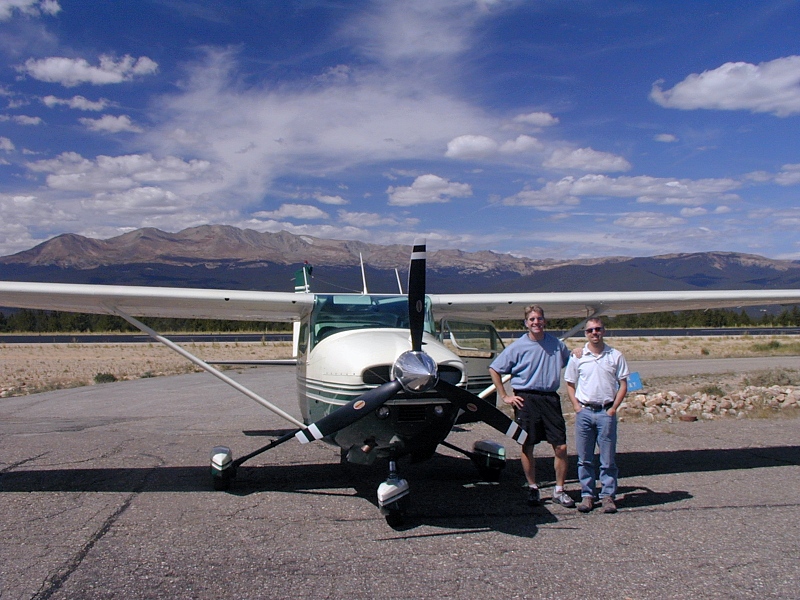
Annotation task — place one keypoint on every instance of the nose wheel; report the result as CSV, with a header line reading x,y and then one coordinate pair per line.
x,y
393,497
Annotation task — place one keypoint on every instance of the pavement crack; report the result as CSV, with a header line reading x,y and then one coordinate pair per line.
x,y
53,583
19,463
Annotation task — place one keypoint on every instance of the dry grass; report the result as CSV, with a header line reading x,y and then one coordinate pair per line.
x,y
28,368
675,348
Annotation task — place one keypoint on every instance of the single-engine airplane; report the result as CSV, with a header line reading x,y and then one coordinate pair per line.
x,y
374,374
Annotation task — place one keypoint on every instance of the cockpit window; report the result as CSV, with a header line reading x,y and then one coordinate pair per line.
x,y
339,312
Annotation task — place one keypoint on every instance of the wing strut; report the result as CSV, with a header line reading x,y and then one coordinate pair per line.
x,y
206,367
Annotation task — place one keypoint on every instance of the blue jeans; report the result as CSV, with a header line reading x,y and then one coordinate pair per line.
x,y
600,428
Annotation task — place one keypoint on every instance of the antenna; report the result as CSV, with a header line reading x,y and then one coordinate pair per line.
x,y
399,283
363,275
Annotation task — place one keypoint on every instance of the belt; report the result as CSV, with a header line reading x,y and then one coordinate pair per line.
x,y
540,392
597,407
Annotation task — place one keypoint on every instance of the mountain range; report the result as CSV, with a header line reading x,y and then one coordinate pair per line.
x,y
221,256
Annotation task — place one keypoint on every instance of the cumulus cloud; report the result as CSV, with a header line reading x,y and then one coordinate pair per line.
x,y
22,119
537,119
6,145
326,199
293,211
70,72
648,220
523,143
428,189
141,201
655,190
71,172
586,159
768,87
368,219
111,124
471,146
480,146
76,102
788,175
31,8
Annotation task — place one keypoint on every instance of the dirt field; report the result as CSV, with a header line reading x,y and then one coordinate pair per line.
x,y
31,368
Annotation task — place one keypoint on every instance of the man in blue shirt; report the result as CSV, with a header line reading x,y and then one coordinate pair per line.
x,y
535,361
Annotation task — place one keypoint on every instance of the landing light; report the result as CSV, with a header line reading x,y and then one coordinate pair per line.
x,y
382,412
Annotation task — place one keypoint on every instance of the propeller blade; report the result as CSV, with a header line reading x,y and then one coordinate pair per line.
x,y
350,412
487,413
416,294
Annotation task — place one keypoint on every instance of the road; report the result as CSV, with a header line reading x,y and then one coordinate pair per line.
x,y
127,338
105,493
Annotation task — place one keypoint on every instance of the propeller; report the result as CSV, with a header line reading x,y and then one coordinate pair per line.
x,y
349,413
469,402
416,295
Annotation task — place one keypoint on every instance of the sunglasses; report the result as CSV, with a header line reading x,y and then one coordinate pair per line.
x,y
595,330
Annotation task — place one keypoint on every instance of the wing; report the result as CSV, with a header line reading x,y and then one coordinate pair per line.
x,y
585,304
144,301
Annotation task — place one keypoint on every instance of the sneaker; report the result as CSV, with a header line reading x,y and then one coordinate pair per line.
x,y
533,496
608,505
563,499
586,505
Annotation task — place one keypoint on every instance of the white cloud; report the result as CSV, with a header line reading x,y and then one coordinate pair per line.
x,y
471,146
428,189
292,211
768,87
523,143
480,146
405,32
70,72
586,159
537,119
666,138
326,199
655,190
22,119
648,220
31,8
76,102
789,175
6,145
111,124
145,200
368,219
71,172
697,211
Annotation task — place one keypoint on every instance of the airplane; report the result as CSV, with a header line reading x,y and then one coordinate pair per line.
x,y
375,375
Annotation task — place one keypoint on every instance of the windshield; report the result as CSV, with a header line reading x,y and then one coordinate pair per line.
x,y
338,312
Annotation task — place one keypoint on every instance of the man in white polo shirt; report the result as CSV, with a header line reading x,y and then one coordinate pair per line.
x,y
596,383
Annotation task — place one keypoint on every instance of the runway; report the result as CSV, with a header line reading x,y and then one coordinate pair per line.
x,y
105,493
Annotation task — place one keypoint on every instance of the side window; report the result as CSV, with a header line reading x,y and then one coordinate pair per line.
x,y
302,338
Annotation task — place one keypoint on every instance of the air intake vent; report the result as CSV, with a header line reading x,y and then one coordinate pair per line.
x,y
411,414
377,375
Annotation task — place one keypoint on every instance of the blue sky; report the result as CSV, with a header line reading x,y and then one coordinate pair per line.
x,y
549,128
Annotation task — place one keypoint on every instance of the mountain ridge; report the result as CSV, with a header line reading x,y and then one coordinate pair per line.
x,y
223,255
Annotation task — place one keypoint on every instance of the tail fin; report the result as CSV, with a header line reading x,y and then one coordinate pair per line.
x,y
302,279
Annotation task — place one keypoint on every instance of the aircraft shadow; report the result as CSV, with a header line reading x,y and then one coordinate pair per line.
x,y
445,491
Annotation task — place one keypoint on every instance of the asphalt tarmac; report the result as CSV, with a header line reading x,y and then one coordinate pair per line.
x,y
105,493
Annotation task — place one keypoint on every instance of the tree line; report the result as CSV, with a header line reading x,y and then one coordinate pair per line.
x,y
45,321
41,321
